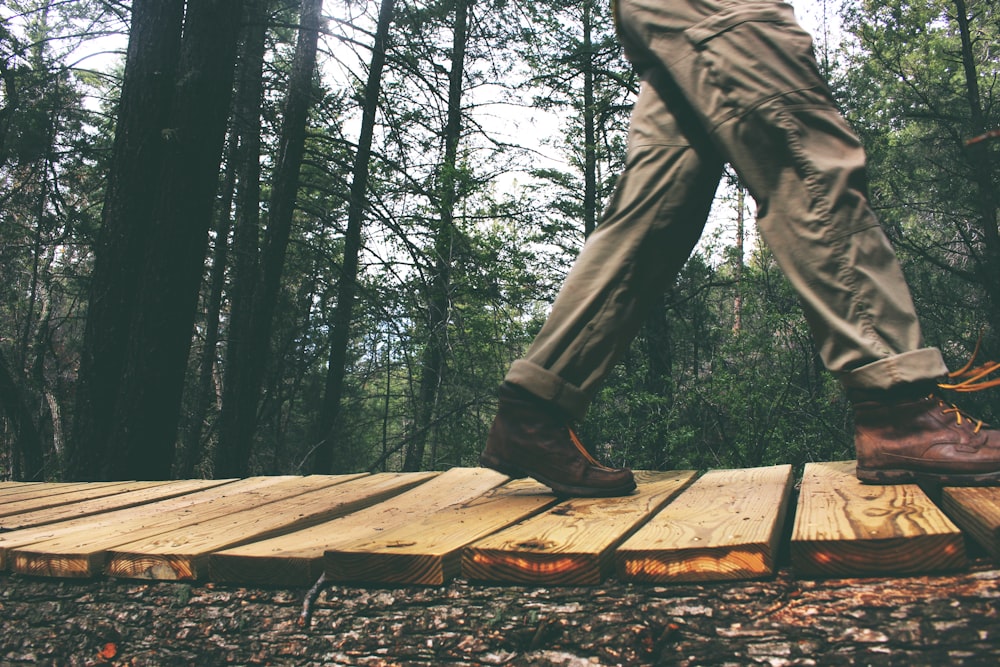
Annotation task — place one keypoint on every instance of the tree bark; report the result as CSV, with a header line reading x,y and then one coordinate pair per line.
x,y
156,232
28,462
981,163
239,417
347,288
738,257
150,68
590,214
246,232
192,450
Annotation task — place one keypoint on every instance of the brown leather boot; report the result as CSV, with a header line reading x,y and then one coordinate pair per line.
x,y
910,434
532,438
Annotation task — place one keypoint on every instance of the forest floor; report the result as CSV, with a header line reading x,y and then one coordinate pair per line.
x,y
949,619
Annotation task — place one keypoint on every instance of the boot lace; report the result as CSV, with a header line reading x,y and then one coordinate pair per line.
x,y
969,378
583,450
947,408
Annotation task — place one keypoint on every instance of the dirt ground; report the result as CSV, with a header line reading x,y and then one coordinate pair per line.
x,y
927,620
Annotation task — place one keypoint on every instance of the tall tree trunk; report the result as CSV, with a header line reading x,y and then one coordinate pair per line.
x,y
738,258
242,164
239,414
659,347
439,299
132,187
155,234
981,161
246,233
347,289
202,390
175,258
590,213
28,461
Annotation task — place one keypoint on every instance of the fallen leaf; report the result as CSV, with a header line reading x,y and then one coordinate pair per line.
x,y
109,651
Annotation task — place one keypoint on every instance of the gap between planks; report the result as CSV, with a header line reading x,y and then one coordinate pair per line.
x,y
977,511
428,551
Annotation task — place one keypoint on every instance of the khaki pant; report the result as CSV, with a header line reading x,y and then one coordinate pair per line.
x,y
737,82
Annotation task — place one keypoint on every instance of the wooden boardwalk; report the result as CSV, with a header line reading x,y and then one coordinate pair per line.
x,y
428,528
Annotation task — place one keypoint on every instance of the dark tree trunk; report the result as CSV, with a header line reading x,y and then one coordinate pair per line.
x,y
28,462
590,213
347,289
143,113
981,162
238,420
246,233
243,165
659,348
202,390
153,241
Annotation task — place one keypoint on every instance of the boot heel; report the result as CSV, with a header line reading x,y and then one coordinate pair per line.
x,y
885,476
495,464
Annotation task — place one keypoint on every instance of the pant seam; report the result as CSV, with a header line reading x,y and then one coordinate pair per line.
x,y
837,243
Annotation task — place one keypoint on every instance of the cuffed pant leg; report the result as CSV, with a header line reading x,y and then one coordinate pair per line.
x,y
655,217
749,71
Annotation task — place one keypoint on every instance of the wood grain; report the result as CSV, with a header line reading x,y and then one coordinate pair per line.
x,y
117,501
15,487
111,521
29,500
727,525
844,527
78,548
296,559
977,511
428,551
572,543
183,554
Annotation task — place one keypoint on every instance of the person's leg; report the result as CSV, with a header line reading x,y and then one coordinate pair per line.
x,y
652,223
749,71
656,215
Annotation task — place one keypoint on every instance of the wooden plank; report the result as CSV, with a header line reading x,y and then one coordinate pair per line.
x,y
80,550
844,527
62,493
34,489
183,554
727,525
15,487
107,503
429,551
977,511
110,522
296,559
574,542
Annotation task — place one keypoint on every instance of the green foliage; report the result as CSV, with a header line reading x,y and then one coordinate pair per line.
x,y
53,147
916,96
733,398
695,390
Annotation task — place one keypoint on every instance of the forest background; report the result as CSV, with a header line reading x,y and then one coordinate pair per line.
x,y
294,236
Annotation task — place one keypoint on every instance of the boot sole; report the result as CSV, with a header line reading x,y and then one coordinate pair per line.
x,y
564,490
877,476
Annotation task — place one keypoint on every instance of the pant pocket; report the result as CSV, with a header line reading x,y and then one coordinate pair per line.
x,y
748,54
